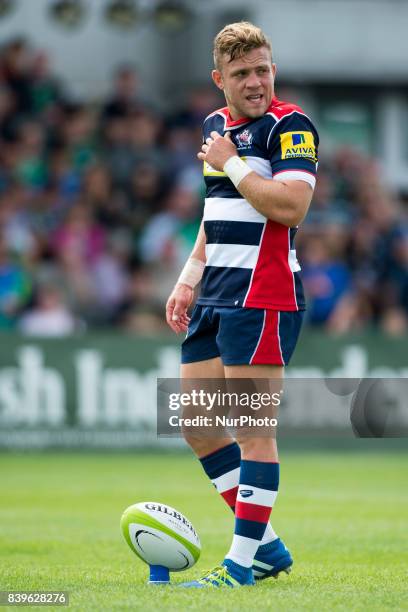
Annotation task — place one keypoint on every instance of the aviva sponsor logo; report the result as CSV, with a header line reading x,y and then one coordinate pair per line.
x,y
298,144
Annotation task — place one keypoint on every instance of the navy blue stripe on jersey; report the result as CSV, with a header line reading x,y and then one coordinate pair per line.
x,y
292,234
220,187
233,232
224,286
300,295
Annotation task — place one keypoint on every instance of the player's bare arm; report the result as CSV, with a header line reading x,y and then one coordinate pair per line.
x,y
183,292
284,202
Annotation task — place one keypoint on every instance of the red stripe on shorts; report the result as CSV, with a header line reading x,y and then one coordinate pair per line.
x,y
268,350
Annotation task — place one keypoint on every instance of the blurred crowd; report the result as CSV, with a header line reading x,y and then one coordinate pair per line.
x,y
100,204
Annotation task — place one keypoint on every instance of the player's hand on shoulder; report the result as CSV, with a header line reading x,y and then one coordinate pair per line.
x,y
176,307
217,150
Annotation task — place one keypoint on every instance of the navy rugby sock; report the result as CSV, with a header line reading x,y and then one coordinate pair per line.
x,y
223,469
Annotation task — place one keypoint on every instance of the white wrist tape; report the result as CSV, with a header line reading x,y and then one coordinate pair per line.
x,y
236,169
192,272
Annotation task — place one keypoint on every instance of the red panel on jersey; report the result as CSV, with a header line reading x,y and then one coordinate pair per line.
x,y
280,108
269,349
272,280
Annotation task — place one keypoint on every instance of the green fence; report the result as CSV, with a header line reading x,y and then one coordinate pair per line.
x,y
100,390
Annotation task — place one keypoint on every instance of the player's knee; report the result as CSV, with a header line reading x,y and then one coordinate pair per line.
x,y
203,445
258,449
196,442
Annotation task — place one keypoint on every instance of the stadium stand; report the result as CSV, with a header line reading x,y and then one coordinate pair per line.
x,y
100,205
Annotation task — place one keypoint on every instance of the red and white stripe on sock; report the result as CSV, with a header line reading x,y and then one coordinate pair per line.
x,y
227,486
252,509
223,468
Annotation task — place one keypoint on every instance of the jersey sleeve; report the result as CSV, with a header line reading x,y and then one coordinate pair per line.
x,y
293,149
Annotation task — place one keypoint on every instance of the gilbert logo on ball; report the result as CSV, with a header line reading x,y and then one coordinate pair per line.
x,y
161,536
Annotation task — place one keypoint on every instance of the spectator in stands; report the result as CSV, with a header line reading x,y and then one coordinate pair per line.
x,y
125,99
78,244
201,101
62,175
79,136
146,191
46,92
105,205
49,317
167,236
110,276
83,187
31,167
15,222
15,287
79,237
327,208
7,113
117,149
141,311
15,66
144,132
326,280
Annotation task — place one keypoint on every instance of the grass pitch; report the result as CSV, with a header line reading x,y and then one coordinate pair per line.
x,y
342,514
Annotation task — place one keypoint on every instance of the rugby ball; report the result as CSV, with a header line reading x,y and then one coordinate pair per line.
x,y
160,535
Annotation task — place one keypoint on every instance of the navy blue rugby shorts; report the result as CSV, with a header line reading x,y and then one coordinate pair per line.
x,y
241,336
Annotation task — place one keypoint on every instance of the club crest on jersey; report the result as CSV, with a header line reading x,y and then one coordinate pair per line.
x,y
297,145
244,139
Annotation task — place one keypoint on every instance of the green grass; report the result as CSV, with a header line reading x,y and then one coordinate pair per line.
x,y
342,514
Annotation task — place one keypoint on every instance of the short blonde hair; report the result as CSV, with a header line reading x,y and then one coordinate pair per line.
x,y
236,39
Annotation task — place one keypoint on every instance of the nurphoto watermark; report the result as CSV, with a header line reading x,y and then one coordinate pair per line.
x,y
365,408
215,407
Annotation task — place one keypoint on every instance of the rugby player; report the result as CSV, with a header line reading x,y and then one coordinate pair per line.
x,y
260,158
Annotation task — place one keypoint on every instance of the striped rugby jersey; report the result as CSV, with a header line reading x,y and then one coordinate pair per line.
x,y
251,261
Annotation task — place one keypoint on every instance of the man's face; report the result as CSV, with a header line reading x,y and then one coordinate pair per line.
x,y
247,83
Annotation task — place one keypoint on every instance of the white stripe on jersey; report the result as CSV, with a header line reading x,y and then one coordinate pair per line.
x,y
260,497
231,255
227,481
293,262
231,209
260,166
295,175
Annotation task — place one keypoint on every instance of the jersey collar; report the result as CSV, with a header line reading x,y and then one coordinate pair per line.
x,y
229,123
